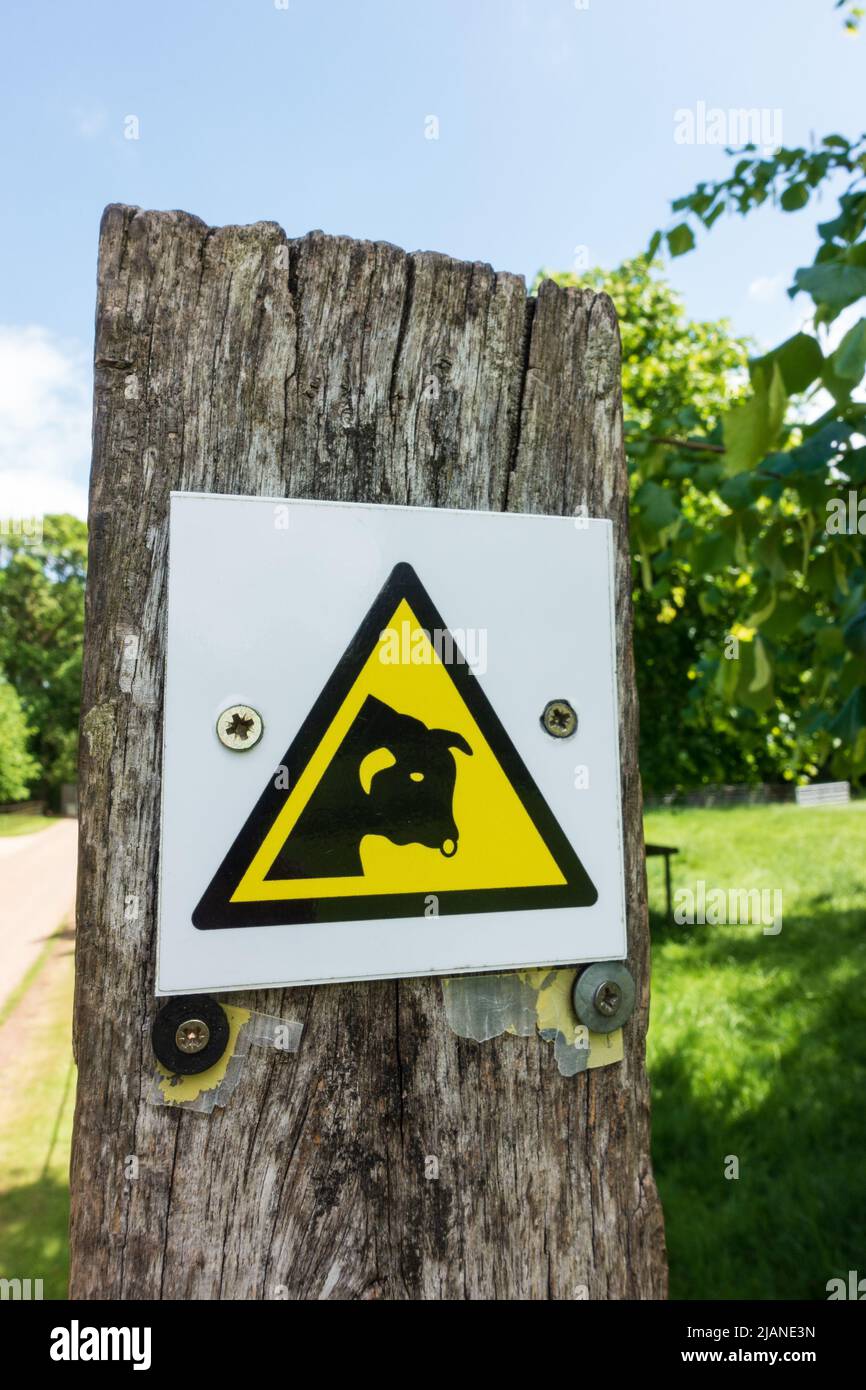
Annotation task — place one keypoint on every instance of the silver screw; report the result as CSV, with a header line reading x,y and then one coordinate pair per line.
x,y
239,728
603,996
559,719
608,998
192,1036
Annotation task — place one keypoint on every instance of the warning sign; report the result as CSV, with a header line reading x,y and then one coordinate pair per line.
x,y
401,784
390,744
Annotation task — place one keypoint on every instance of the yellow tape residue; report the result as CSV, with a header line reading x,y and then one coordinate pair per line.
x,y
177,1089
605,1048
554,1010
522,1002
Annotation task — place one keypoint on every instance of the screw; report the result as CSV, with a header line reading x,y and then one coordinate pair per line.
x,y
192,1036
603,996
607,998
239,727
559,719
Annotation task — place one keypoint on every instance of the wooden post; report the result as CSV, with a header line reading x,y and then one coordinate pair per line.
x,y
232,360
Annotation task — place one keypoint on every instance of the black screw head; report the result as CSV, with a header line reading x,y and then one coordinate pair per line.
x,y
559,719
190,1034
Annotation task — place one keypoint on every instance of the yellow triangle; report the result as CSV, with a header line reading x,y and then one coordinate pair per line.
x,y
499,846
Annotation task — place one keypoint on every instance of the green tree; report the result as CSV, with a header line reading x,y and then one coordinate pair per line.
x,y
794,458
17,768
41,633
680,377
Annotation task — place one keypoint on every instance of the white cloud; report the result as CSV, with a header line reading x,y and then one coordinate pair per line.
x,y
766,288
45,405
89,124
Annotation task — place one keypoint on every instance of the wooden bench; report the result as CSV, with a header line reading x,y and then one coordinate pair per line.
x,y
653,852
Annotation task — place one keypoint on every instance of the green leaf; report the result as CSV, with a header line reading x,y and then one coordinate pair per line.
x,y
849,359
777,403
855,632
726,679
820,449
707,475
855,466
785,618
833,283
714,552
762,614
848,224
800,361
656,506
754,684
768,553
655,243
740,491
763,670
680,239
743,431
752,426
829,231
795,196
839,389
851,718
829,642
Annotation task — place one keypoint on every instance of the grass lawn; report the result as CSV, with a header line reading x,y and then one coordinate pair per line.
x,y
757,1048
13,824
36,1125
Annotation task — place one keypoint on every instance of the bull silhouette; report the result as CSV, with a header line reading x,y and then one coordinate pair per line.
x,y
391,776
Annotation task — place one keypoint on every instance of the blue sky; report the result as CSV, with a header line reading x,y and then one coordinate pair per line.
x,y
556,131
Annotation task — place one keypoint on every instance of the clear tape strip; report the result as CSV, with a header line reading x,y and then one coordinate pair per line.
x,y
201,1094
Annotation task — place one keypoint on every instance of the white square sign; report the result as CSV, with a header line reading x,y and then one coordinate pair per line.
x,y
390,744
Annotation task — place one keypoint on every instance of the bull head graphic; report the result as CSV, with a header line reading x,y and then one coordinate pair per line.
x,y
391,776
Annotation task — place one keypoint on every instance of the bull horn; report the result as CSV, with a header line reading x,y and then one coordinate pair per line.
x,y
377,760
453,740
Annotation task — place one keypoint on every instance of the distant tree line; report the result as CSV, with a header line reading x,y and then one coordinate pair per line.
x,y
41,630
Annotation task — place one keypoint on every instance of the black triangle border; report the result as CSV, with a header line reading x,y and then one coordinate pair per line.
x,y
215,911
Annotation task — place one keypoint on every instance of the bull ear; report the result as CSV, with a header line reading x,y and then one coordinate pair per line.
x,y
452,740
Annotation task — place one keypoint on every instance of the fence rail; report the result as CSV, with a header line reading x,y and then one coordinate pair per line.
x,y
755,794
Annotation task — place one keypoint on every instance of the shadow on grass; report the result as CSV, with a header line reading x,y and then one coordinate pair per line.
x,y
781,1092
33,1234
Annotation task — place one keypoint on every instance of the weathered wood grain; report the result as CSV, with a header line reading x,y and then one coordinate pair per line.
x,y
233,360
